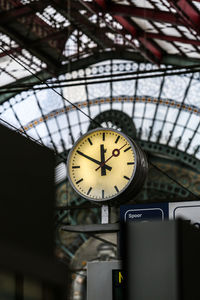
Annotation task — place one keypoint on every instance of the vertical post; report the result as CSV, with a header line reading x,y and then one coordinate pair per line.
x,y
105,214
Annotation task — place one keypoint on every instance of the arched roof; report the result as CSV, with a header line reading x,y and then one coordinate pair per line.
x,y
139,57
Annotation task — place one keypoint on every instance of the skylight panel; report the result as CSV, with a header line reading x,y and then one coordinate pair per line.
x,y
149,87
6,78
194,145
27,110
6,42
193,96
193,55
186,48
53,18
170,31
197,5
176,134
75,93
182,28
144,24
124,2
194,120
27,1
93,19
165,3
191,36
160,5
143,3
168,47
174,87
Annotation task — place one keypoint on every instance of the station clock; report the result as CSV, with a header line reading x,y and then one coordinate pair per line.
x,y
105,164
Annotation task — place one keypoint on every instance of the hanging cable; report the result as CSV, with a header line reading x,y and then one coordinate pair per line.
x,y
45,83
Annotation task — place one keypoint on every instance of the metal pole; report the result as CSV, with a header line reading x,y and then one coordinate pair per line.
x,y
105,214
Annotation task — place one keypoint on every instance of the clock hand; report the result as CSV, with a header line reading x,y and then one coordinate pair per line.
x,y
115,152
102,151
94,160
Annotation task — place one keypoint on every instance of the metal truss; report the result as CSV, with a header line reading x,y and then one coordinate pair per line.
x,y
56,32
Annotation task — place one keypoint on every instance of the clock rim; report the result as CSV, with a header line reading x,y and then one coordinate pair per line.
x,y
130,180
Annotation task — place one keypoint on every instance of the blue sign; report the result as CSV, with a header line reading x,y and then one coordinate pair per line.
x,y
144,212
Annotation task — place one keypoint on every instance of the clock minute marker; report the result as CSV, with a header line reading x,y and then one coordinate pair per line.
x,y
89,140
127,149
126,177
117,139
79,181
88,192
116,188
75,167
130,163
103,136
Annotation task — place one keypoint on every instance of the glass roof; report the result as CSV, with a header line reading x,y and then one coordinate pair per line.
x,y
45,36
164,109
135,56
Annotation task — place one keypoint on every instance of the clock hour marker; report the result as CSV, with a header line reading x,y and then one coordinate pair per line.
x,y
103,136
75,167
89,140
102,194
127,149
116,188
126,177
89,190
130,163
117,139
79,181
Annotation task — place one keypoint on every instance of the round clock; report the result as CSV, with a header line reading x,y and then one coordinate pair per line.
x,y
105,164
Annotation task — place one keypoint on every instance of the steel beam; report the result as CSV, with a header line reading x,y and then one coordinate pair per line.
x,y
142,13
22,11
16,24
149,49
82,23
25,43
11,51
174,60
171,38
188,12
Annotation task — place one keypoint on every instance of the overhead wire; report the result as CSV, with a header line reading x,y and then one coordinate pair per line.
x,y
45,83
75,106
92,80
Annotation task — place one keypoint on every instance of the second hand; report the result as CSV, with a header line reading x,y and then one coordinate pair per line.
x,y
115,152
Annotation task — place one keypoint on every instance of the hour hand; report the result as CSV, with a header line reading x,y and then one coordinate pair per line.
x,y
94,160
103,169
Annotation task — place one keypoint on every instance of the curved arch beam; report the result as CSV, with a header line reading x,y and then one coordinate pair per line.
x,y
120,99
187,159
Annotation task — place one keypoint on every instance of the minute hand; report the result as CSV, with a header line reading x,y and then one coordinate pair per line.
x,y
94,160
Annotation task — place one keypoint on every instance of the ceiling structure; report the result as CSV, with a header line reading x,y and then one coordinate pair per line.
x,y
64,62
70,65
51,36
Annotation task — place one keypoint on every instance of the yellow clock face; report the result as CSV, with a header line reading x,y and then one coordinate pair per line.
x,y
101,164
